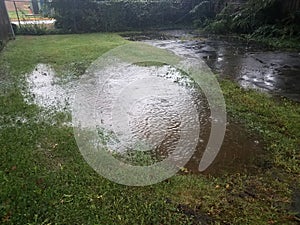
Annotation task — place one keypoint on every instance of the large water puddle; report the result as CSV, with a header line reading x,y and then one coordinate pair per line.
x,y
251,66
151,121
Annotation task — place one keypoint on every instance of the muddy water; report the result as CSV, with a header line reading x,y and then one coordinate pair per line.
x,y
251,66
150,109
240,152
154,123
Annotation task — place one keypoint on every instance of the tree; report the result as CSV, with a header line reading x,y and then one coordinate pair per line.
x,y
35,6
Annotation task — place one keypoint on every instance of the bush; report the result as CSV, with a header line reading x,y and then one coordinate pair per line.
x,y
218,27
201,13
92,16
277,31
259,18
31,29
37,29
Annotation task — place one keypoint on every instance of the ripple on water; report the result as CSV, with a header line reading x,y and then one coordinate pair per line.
x,y
156,112
251,66
153,122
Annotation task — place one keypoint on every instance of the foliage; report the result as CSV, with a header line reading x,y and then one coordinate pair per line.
x,y
200,13
218,27
259,18
93,16
289,43
32,29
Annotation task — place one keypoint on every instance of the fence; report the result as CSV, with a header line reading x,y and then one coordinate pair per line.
x,y
28,12
6,31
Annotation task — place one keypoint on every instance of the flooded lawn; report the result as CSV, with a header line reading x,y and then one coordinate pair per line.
x,y
241,152
48,90
154,121
251,66
45,179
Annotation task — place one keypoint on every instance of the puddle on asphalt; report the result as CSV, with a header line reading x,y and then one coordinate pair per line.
x,y
251,66
151,119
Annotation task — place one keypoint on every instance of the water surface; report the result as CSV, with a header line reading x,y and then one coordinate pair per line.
x,y
154,121
250,65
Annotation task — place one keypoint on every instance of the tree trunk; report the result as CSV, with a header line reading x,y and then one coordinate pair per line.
x,y
35,7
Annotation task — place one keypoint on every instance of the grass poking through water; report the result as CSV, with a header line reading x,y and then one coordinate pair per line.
x,y
45,180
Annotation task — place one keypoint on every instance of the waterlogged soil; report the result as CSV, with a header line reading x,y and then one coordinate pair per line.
x,y
240,152
152,119
250,65
47,90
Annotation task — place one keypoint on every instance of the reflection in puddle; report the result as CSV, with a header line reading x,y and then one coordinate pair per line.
x,y
153,122
152,109
239,152
249,65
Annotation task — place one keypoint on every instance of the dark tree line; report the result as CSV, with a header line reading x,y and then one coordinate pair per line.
x,y
266,17
273,18
91,15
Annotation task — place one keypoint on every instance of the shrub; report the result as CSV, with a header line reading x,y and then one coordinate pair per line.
x,y
260,18
92,16
218,27
31,29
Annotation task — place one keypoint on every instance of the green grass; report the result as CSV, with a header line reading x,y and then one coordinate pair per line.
x,y
13,15
45,180
277,121
58,50
288,43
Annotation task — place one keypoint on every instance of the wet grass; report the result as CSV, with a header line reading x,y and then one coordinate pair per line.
x,y
45,180
291,44
60,51
276,120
